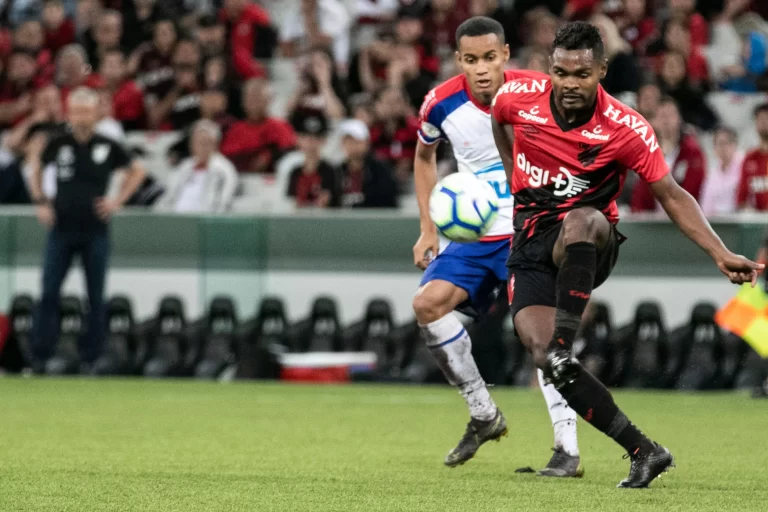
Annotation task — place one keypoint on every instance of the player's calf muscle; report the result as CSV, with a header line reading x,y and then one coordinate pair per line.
x,y
436,299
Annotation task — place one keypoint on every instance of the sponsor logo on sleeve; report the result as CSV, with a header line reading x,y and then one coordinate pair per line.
x,y
636,124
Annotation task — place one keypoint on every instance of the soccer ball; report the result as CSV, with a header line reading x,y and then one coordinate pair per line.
x,y
463,207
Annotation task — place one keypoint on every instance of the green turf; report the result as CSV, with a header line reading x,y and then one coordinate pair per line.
x,y
83,445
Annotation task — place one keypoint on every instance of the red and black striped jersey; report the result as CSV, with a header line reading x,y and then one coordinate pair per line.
x,y
561,166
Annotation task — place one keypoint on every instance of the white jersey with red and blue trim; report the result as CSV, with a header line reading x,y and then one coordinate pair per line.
x,y
450,113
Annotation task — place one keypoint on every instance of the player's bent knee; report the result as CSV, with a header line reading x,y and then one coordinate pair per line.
x,y
429,306
582,225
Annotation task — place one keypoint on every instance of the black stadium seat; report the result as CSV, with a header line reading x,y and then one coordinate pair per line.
x,y
66,358
166,340
16,354
647,343
320,332
119,354
218,347
593,346
702,350
261,339
373,333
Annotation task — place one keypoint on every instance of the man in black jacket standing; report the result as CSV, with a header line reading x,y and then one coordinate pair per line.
x,y
78,219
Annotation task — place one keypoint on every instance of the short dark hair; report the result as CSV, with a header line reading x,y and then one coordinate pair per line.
x,y
479,26
579,35
763,107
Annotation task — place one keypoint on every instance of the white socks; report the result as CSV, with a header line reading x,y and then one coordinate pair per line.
x,y
452,349
563,418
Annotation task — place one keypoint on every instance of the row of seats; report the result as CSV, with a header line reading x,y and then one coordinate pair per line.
x,y
643,354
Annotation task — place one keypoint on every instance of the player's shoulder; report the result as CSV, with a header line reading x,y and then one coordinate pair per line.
x,y
439,98
523,74
621,119
523,87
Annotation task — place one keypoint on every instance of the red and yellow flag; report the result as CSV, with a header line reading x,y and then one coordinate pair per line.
x,y
746,315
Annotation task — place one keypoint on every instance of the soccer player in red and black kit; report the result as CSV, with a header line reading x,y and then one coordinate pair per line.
x,y
566,146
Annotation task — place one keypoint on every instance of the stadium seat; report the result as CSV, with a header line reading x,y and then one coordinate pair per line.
x,y
66,358
320,332
119,353
593,346
754,372
702,346
15,354
732,362
166,343
373,333
218,342
647,342
261,339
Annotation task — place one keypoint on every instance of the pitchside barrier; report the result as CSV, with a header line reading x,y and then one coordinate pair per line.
x,y
352,256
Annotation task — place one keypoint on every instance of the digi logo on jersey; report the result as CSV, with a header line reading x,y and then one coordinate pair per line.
x,y
565,183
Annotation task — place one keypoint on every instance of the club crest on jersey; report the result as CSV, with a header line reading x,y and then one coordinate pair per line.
x,y
595,134
532,115
636,124
565,183
100,153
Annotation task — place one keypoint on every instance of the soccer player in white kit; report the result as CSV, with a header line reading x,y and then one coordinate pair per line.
x,y
466,276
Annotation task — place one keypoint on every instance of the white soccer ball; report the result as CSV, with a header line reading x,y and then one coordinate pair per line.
x,y
463,207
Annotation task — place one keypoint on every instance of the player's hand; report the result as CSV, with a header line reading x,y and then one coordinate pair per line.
x,y
739,269
105,208
426,249
45,215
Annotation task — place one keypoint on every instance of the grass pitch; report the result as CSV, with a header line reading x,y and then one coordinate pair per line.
x,y
92,445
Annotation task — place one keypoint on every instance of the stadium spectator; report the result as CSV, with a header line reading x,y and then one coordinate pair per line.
x,y
108,126
140,16
720,188
106,36
737,63
152,62
320,88
180,107
637,27
250,36
405,74
85,18
213,107
314,23
542,32
497,10
685,12
59,29
314,182
623,72
441,20
206,181
534,60
211,36
29,37
73,70
393,134
257,143
648,99
677,39
78,220
126,96
16,87
753,184
366,182
674,82
368,68
682,153
375,12
361,108
409,31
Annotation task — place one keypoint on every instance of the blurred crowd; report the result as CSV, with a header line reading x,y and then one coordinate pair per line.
x,y
361,68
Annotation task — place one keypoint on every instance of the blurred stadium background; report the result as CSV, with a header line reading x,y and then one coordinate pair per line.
x,y
298,268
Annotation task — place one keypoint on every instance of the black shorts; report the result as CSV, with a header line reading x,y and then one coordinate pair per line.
x,y
533,274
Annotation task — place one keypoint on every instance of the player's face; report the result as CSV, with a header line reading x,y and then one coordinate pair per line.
x,y
761,124
575,77
482,60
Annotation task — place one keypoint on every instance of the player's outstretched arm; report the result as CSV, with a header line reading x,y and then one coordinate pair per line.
x,y
504,136
425,179
684,211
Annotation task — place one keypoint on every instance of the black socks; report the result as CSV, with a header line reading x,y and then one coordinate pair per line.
x,y
574,287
